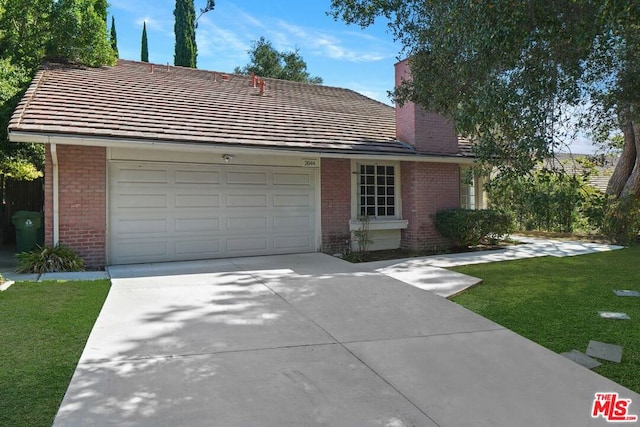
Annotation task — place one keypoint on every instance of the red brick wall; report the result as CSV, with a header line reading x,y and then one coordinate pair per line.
x,y
427,188
336,204
82,201
427,132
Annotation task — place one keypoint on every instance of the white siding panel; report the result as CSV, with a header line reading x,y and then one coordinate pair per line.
x,y
176,211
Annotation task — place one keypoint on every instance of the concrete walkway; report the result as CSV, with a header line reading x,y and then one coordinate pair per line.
x,y
429,273
303,340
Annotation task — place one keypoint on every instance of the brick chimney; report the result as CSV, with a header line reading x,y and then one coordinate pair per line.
x,y
429,133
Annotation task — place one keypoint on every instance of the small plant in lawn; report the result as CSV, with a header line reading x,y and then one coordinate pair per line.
x,y
49,259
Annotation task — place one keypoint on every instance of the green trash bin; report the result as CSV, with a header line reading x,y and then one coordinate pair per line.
x,y
28,230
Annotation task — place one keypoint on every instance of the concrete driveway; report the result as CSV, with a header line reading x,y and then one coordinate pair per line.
x,y
305,340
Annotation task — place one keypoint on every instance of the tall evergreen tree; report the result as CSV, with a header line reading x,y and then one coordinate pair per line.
x,y
144,52
184,28
113,38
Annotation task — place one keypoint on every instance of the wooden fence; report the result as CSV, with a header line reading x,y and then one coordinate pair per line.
x,y
18,196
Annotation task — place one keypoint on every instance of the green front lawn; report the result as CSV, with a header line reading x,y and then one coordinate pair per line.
x,y
43,330
555,302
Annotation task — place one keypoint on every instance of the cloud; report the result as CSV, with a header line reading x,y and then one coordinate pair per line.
x,y
329,45
162,26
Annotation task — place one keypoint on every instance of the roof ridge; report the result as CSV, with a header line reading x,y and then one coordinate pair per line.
x,y
271,79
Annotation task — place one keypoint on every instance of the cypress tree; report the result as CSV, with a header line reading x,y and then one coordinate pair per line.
x,y
144,54
113,39
186,49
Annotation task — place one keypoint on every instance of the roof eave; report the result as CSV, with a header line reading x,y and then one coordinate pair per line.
x,y
109,142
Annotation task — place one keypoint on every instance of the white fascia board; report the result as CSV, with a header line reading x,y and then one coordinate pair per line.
x,y
208,148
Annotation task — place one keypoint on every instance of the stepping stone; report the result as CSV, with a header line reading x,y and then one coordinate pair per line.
x,y
604,351
581,359
614,315
626,293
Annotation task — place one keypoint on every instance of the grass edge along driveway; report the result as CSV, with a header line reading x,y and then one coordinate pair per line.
x,y
43,330
555,302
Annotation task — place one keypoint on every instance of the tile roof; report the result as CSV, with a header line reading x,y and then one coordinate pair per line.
x,y
137,100
599,176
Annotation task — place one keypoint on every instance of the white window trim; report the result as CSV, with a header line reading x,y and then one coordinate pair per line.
x,y
389,223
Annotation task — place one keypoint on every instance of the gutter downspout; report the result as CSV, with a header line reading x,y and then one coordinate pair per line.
x,y
56,213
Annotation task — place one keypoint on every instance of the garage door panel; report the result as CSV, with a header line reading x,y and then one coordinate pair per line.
x,y
247,201
142,201
197,177
125,227
246,178
239,224
135,251
166,211
295,179
197,248
247,245
197,225
292,200
197,201
142,175
291,242
297,223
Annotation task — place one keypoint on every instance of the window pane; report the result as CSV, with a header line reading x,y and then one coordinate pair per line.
x,y
377,190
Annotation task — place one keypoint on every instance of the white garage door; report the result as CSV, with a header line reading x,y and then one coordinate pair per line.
x,y
167,212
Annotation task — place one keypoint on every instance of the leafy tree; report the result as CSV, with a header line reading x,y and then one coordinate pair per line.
x,y
266,61
30,31
80,32
25,31
18,161
113,37
521,77
185,30
144,51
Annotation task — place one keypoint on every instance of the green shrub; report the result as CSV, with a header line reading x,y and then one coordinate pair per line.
x,y
543,200
621,221
469,227
48,260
